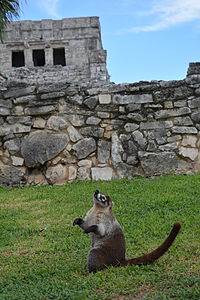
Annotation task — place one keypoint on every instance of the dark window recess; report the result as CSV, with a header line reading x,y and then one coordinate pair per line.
x,y
38,58
18,59
59,56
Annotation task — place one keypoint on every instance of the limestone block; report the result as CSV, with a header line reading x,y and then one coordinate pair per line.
x,y
196,117
57,174
36,178
155,125
128,99
183,121
184,129
102,173
168,104
103,115
104,99
189,140
20,128
116,149
158,163
72,173
93,121
174,138
17,161
92,131
136,117
169,147
56,123
164,114
21,120
91,102
104,151
13,146
132,160
180,103
139,138
74,135
41,147
12,176
41,110
194,103
84,147
190,153
25,99
39,123
83,173
129,127
85,163
4,111
76,120
18,110
6,103
14,93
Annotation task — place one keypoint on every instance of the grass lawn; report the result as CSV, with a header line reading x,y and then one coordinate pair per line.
x,y
42,256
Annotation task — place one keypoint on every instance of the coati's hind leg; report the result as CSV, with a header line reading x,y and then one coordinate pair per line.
x,y
96,260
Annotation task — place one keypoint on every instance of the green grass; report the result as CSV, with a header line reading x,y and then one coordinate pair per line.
x,y
42,256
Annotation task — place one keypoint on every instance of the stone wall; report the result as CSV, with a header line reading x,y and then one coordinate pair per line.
x,y
57,132
78,39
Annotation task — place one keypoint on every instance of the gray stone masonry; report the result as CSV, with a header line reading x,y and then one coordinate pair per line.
x,y
73,43
55,132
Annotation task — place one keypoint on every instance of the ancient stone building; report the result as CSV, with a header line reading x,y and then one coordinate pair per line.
x,y
60,123
74,43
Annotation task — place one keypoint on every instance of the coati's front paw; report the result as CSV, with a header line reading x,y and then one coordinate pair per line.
x,y
93,228
78,221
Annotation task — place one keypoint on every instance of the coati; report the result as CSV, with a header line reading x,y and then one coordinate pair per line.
x,y
108,241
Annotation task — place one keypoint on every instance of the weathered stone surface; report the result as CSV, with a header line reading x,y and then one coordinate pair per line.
x,y
128,99
19,92
4,111
57,175
83,173
116,149
36,177
56,123
20,120
92,131
76,120
139,138
85,163
91,102
129,127
184,129
13,146
190,141
38,111
190,153
136,117
183,121
11,176
72,173
155,125
158,163
6,103
39,123
104,151
104,99
17,161
74,135
195,103
41,147
93,121
84,147
102,173
164,114
196,117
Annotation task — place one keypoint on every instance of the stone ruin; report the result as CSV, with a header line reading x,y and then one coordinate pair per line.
x,y
64,122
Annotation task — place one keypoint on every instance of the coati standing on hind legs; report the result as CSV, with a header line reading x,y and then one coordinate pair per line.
x,y
108,241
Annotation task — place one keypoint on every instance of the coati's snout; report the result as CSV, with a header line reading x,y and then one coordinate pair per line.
x,y
102,199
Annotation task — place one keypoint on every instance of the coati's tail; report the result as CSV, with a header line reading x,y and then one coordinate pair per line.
x,y
155,254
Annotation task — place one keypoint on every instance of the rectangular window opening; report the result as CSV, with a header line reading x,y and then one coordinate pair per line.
x,y
59,56
18,59
38,58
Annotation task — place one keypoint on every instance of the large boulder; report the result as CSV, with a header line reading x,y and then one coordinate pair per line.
x,y
41,147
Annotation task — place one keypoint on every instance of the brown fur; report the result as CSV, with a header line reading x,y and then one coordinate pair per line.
x,y
108,241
